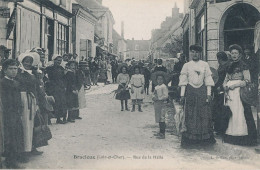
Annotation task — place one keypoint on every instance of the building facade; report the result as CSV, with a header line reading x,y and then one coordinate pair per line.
x,y
103,27
119,46
38,23
164,37
216,24
138,49
83,29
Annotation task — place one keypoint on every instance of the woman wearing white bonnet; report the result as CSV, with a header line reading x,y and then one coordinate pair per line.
x,y
29,93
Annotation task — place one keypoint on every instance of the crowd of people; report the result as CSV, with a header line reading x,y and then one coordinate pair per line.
x,y
32,93
212,100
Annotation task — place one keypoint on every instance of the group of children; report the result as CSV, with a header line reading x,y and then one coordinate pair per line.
x,y
136,94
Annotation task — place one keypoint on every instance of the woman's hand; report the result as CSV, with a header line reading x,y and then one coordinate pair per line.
x,y
142,91
75,91
132,90
209,99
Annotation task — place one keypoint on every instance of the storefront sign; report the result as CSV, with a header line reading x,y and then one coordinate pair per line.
x,y
4,12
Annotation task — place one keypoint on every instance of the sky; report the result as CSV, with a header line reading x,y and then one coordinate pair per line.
x,y
140,16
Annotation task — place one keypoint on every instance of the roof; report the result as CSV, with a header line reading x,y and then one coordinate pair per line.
x,y
98,9
92,4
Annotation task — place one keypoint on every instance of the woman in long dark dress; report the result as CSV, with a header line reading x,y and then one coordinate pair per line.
x,y
241,127
56,87
11,103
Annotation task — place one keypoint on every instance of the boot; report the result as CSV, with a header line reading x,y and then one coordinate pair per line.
x,y
126,106
140,108
122,105
162,130
133,108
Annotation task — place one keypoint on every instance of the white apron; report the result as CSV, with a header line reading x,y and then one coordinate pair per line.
x,y
237,123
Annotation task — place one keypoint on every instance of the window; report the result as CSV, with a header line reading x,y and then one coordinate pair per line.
x,y
136,47
89,48
85,48
201,33
62,39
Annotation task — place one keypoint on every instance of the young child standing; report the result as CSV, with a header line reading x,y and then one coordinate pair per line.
x,y
160,99
137,89
123,91
11,103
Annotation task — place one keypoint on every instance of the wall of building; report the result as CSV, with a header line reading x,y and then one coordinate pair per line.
x,y
84,30
214,21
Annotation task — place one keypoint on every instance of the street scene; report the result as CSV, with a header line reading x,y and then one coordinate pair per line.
x,y
131,84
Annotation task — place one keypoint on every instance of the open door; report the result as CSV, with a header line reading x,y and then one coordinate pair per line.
x,y
257,51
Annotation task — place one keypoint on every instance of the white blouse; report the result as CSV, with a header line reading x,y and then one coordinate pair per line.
x,y
161,91
196,74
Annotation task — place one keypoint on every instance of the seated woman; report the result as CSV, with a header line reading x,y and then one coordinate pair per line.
x,y
241,128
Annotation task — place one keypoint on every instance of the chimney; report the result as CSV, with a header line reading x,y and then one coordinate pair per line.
x,y
99,1
123,29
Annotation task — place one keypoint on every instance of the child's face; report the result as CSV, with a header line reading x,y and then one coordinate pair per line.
x,y
11,71
160,80
136,71
124,70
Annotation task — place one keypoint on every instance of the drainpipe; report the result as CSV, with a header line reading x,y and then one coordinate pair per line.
x,y
206,29
14,42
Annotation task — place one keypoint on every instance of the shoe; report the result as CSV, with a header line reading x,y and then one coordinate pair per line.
x,y
78,117
133,110
71,121
161,136
60,121
157,134
127,109
36,152
122,109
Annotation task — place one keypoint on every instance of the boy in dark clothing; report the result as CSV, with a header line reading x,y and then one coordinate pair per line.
x,y
11,101
159,67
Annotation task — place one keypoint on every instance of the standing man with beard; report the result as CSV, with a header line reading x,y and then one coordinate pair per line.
x,y
196,83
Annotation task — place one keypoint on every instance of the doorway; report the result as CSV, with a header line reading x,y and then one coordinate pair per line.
x,y
238,24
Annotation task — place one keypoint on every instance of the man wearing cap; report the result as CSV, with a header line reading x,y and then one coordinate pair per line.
x,y
196,82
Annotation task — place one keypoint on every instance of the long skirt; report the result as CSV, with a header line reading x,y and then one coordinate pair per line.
x,y
28,114
241,127
1,129
159,111
198,118
82,98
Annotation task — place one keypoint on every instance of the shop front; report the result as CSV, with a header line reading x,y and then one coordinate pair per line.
x,y
215,25
40,23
